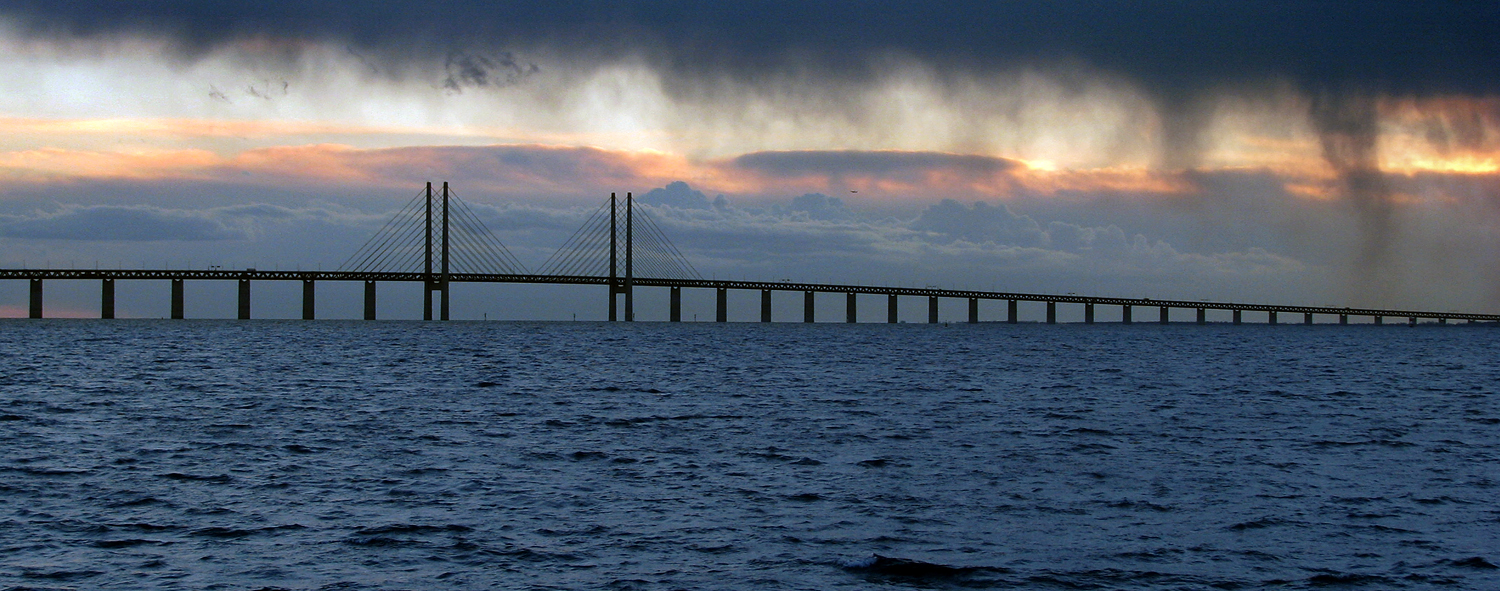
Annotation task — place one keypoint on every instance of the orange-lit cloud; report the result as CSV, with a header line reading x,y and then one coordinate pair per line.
x,y
542,170
58,164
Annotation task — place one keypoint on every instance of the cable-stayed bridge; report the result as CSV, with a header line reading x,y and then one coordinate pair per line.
x,y
436,239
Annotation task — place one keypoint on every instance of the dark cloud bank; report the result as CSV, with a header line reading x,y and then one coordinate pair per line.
x,y
1441,46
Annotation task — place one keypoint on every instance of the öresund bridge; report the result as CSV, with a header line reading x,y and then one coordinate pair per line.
x,y
437,240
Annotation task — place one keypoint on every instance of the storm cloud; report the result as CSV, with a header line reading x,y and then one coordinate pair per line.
x,y
1398,47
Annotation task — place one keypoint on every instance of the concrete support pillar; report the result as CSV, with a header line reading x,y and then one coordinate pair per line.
x,y
308,296
1411,320
1381,320
1343,319
1088,313
1307,318
1051,312
177,299
427,300
1164,319
890,309
443,312
974,310
722,314
850,314
245,299
369,300
765,305
676,306
1202,316
36,298
1011,317
107,299
807,306
1272,318
1442,320
1237,314
614,304
1125,314
932,309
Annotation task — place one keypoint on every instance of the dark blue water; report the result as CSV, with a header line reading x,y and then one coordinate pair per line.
x,y
402,455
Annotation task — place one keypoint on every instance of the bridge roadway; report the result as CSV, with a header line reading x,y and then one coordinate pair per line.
x,y
108,276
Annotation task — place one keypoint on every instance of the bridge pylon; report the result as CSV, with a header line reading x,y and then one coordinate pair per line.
x,y
622,252
435,236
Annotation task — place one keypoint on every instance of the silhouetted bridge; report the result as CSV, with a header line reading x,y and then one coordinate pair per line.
x,y
592,257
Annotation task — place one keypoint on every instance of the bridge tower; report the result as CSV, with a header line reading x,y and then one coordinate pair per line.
x,y
439,282
602,249
616,284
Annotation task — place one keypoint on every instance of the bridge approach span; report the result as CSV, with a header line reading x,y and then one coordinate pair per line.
x,y
308,277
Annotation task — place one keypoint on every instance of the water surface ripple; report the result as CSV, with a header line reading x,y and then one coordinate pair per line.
x,y
403,455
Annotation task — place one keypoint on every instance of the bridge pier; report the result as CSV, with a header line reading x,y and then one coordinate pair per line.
x,y
107,299
1272,318
807,306
308,299
1164,319
1051,312
850,314
36,298
178,299
1343,319
890,309
765,305
1379,320
1202,316
1307,318
629,301
1125,314
1410,320
444,301
613,305
676,308
973,310
1442,319
369,300
722,315
245,300
1236,316
1010,311
932,309
1088,313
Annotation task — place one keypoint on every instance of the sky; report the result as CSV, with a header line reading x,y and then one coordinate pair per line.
x,y
1319,153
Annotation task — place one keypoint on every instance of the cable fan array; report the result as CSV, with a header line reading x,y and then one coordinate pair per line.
x,y
401,245
586,252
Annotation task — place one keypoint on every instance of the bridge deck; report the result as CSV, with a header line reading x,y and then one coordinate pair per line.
x,y
258,275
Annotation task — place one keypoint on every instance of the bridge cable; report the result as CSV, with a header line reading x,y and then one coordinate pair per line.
x,y
379,241
554,262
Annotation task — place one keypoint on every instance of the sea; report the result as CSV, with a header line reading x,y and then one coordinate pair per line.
x,y
353,455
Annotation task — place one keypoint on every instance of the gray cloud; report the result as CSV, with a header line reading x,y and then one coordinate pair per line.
x,y
469,70
817,206
854,162
680,195
115,223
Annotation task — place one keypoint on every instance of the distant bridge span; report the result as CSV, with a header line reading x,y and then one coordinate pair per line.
x,y
309,278
589,245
